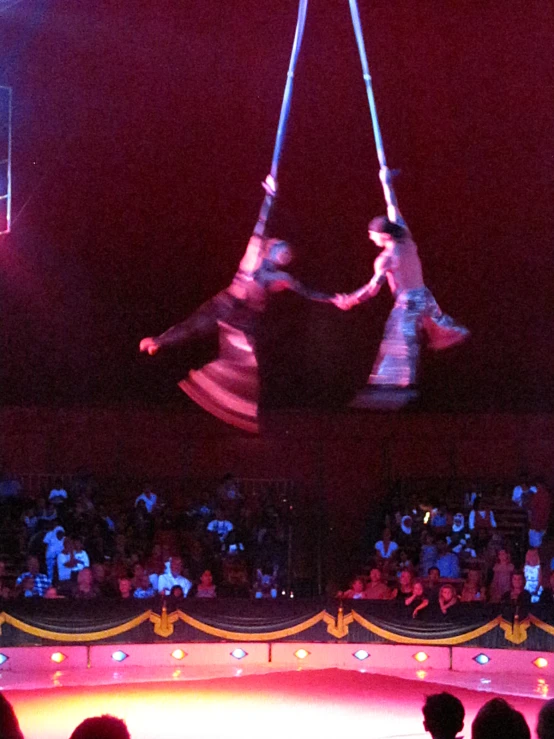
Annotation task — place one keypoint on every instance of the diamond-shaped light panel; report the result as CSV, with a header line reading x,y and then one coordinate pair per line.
x,y
420,656
119,656
238,653
301,653
482,659
178,654
361,654
540,662
58,657
3,658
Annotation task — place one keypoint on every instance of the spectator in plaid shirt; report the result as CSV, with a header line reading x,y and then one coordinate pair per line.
x,y
41,582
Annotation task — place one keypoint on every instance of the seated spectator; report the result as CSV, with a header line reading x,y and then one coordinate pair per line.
x,y
220,526
125,587
80,555
266,582
228,490
405,587
206,587
405,535
417,602
465,551
539,515
235,581
174,577
517,595
86,587
545,725
433,586
547,595
404,562
58,494
376,589
443,716
30,521
439,519
66,561
54,540
447,561
458,531
101,727
498,719
448,601
502,576
143,587
471,496
176,593
386,548
481,522
473,590
356,590
523,492
149,498
26,589
46,511
533,574
9,725
427,554
40,582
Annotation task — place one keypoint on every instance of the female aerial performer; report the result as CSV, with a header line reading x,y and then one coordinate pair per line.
x,y
229,386
416,318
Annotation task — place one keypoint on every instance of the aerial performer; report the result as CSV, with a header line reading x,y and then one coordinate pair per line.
x,y
415,319
229,386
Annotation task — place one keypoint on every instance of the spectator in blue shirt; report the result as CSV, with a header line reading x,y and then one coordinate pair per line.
x,y
447,561
41,582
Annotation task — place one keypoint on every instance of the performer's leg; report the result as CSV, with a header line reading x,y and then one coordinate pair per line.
x,y
200,324
442,330
398,357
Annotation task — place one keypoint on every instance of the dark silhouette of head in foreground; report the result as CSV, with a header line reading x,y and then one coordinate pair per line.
x,y
545,726
443,715
101,727
9,725
496,719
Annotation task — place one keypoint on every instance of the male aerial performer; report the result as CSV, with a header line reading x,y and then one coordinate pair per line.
x,y
415,318
229,386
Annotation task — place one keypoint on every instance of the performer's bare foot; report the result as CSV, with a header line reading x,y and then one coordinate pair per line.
x,y
149,345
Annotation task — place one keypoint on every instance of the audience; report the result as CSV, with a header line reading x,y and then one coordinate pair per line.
x,y
101,727
496,719
443,716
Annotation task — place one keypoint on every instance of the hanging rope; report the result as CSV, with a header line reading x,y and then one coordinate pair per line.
x,y
368,86
271,181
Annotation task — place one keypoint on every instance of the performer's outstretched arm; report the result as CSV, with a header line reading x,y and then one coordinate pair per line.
x,y
393,211
367,291
279,280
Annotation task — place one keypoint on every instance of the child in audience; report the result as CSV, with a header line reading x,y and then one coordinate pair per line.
x,y
533,575
502,577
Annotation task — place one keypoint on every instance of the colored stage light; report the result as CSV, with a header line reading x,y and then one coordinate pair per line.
x,y
119,656
540,662
421,656
482,659
58,657
361,654
301,654
178,654
238,653
3,658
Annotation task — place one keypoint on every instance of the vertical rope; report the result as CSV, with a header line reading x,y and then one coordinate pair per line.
x,y
283,118
367,79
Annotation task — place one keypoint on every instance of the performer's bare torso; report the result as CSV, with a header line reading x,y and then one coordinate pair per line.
x,y
401,264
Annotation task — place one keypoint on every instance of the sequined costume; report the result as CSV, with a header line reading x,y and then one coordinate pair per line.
x,y
415,319
228,387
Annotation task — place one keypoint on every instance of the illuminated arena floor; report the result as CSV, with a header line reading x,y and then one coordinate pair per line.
x,y
236,705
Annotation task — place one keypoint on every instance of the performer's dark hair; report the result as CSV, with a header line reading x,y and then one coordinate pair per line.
x,y
382,225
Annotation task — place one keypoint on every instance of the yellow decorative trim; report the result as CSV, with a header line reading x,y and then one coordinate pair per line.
x,y
163,625
541,624
515,633
338,628
450,641
264,636
62,636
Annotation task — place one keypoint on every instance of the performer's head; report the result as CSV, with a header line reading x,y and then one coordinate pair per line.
x,y
278,252
384,232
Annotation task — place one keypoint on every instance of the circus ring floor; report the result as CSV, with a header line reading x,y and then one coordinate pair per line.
x,y
206,702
